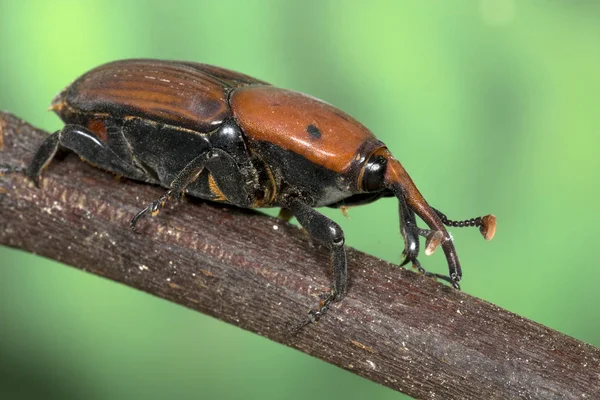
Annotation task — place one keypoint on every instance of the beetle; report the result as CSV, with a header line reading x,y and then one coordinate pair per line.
x,y
226,137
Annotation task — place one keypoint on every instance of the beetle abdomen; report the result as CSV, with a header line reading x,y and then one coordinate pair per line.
x,y
187,95
302,124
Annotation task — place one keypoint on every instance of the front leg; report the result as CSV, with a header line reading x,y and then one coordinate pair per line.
x,y
411,232
408,229
329,233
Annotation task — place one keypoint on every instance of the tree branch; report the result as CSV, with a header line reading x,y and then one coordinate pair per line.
x,y
395,327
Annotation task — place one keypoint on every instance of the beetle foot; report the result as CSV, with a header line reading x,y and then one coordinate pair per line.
x,y
8,169
315,315
153,208
136,218
453,282
12,169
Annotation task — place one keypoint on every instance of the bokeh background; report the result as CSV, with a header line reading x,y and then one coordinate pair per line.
x,y
491,105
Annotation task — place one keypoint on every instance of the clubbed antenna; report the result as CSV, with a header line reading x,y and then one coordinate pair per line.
x,y
486,224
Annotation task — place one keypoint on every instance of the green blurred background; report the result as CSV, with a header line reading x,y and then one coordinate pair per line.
x,y
491,105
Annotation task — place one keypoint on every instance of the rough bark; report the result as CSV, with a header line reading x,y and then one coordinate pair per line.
x,y
395,327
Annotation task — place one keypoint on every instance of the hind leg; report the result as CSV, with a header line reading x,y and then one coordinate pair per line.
x,y
85,144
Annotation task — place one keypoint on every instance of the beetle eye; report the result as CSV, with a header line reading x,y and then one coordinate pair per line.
x,y
374,174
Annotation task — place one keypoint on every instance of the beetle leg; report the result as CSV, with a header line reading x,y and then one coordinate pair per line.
x,y
227,175
224,171
8,169
411,232
422,270
189,174
153,208
408,226
42,157
85,144
398,181
328,232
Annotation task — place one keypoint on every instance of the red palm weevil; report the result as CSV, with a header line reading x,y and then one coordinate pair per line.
x,y
224,136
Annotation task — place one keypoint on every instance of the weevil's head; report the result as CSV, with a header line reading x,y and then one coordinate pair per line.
x,y
383,173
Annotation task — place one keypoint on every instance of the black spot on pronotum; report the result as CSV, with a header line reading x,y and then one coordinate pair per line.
x,y
313,131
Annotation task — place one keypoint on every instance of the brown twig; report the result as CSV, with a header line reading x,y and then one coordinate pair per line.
x,y
395,327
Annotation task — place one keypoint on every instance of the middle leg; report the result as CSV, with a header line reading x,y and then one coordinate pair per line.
x,y
225,172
